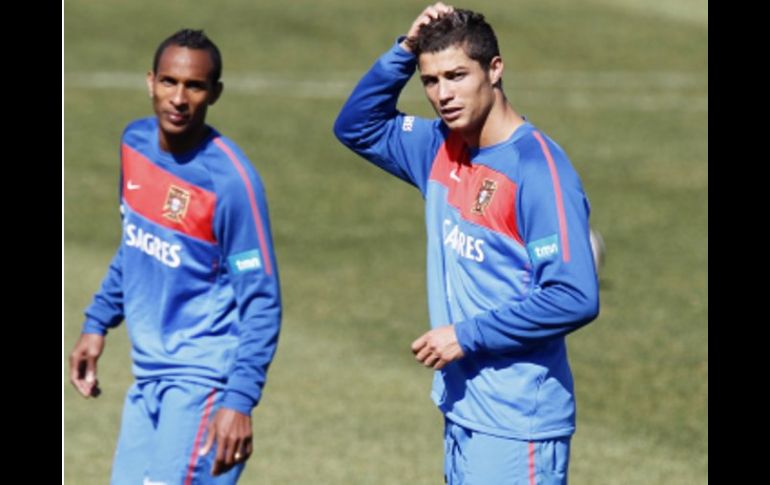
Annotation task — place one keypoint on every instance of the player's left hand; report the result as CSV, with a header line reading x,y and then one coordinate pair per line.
x,y
438,347
232,432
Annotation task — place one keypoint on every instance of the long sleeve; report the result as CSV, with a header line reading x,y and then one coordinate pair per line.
x,y
106,310
370,125
243,228
553,211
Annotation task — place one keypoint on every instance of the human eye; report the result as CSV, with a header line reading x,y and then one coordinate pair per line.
x,y
428,81
196,86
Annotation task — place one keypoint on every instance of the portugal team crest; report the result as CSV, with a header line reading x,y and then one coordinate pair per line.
x,y
176,203
484,196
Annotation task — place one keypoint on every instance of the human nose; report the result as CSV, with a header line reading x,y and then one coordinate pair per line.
x,y
179,97
445,91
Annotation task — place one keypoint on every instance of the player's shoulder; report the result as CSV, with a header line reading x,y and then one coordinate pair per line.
x,y
225,152
537,150
530,143
543,161
141,126
228,164
140,132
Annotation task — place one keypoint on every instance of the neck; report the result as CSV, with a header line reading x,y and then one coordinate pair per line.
x,y
498,126
182,143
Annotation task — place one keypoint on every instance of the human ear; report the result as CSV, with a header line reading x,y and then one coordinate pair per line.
x,y
495,70
151,83
216,92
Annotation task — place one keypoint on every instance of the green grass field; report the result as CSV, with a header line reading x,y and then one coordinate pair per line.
x,y
621,85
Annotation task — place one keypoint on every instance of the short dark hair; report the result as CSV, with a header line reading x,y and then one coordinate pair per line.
x,y
192,39
461,27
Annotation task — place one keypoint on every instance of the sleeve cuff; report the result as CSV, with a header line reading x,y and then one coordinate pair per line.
x,y
238,402
92,326
468,336
399,50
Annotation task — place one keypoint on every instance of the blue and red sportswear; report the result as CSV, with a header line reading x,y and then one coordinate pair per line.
x,y
509,257
195,276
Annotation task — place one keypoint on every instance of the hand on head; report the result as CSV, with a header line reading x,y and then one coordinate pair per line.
x,y
431,12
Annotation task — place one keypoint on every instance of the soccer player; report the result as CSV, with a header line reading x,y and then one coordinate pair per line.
x,y
510,270
195,279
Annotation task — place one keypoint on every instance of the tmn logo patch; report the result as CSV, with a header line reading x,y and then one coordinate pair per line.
x,y
546,249
484,197
177,201
246,261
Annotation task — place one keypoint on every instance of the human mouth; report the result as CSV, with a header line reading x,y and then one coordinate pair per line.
x,y
451,114
177,118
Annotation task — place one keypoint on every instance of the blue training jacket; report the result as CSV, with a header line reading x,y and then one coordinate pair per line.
x,y
509,255
195,276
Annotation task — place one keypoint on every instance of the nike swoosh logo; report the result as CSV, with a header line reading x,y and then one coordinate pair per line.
x,y
452,175
132,186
